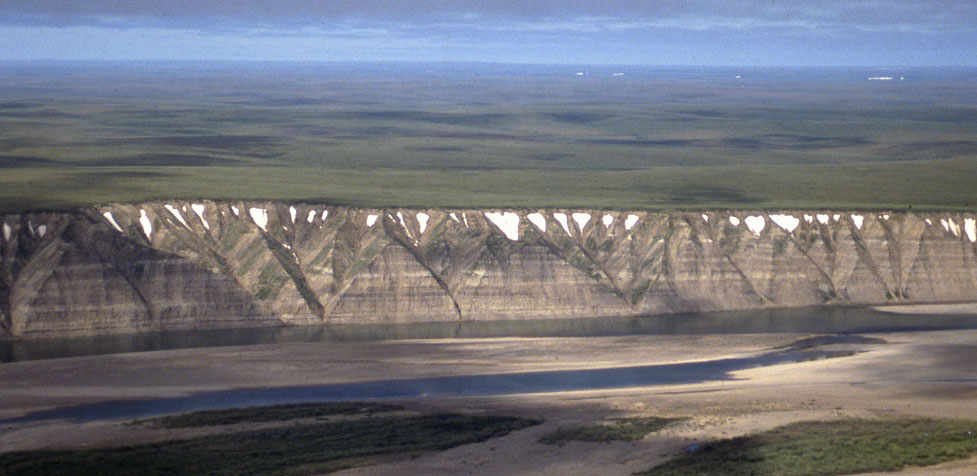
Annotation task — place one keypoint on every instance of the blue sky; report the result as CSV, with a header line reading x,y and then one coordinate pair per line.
x,y
668,32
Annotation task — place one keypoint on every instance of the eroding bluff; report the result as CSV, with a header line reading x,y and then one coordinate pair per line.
x,y
190,265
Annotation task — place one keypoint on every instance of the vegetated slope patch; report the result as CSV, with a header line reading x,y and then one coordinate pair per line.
x,y
951,148
294,449
831,447
18,105
755,143
459,118
577,117
17,161
628,429
268,413
164,160
693,194
211,141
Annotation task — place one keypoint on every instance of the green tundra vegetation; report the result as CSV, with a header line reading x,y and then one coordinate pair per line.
x,y
469,135
831,448
318,438
365,435
627,429
270,413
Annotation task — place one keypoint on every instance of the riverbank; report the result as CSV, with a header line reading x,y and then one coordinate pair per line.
x,y
958,308
913,374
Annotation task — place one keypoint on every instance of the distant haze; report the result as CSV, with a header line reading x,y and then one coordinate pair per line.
x,y
663,32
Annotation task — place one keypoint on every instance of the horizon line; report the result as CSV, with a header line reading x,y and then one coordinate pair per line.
x,y
474,62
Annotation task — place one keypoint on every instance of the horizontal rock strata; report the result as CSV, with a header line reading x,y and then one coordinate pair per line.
x,y
188,265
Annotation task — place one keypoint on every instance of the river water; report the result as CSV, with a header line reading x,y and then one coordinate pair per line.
x,y
828,320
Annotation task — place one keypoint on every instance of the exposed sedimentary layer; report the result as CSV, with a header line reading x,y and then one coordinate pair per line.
x,y
185,265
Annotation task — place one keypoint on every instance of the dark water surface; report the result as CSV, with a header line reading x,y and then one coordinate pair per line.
x,y
830,320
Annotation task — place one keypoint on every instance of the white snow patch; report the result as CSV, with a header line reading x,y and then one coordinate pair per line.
x,y
454,217
176,213
199,208
6,232
858,220
809,218
30,227
581,219
562,218
608,220
370,220
508,222
260,217
929,222
403,225
823,218
108,216
885,217
755,223
946,227
422,219
954,227
970,226
787,222
147,224
236,210
538,220
836,217
41,230
705,218
735,221
464,218
292,212
311,216
630,222
325,213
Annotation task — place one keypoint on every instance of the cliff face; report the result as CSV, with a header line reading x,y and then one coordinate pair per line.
x,y
175,265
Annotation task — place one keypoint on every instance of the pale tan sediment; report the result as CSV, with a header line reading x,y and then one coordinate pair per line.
x,y
913,374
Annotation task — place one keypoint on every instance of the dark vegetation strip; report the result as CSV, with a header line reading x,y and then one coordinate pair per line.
x,y
940,185
163,160
12,161
628,429
271,413
293,450
830,448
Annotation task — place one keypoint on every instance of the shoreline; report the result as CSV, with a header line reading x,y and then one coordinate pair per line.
x,y
926,374
955,308
827,319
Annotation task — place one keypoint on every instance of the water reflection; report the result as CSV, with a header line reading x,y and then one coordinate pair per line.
x,y
832,320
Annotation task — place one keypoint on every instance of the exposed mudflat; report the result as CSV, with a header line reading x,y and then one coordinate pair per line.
x,y
910,374
936,308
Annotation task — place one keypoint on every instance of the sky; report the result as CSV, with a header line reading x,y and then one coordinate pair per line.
x,y
649,32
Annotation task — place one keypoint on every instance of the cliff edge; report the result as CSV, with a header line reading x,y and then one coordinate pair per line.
x,y
204,264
